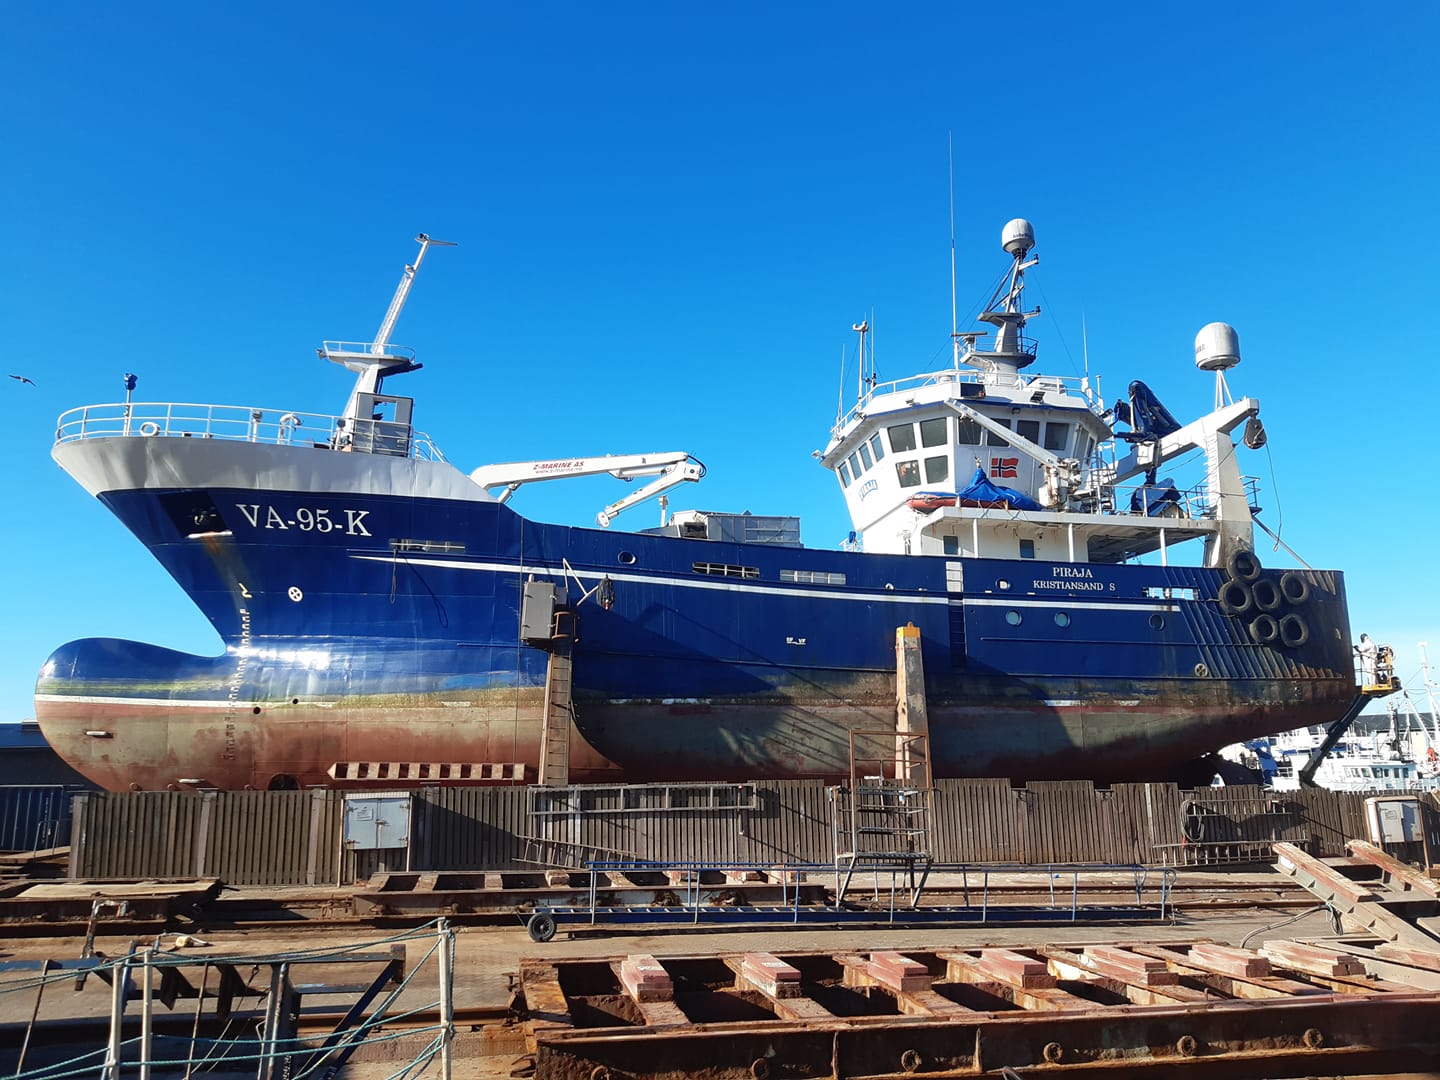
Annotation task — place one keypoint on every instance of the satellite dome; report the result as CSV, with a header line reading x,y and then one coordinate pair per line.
x,y
1018,237
1217,347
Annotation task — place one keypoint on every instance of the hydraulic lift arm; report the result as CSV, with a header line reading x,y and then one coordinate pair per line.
x,y
669,469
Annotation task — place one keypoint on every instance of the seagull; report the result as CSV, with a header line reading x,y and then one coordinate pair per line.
x,y
22,378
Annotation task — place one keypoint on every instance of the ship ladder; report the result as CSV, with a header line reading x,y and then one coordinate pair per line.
x,y
559,707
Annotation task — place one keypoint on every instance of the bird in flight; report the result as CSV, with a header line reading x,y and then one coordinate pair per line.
x,y
22,378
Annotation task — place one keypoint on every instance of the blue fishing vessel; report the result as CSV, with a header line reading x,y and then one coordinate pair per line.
x,y
1082,575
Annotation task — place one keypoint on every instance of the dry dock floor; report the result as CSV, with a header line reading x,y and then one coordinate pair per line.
x,y
1224,907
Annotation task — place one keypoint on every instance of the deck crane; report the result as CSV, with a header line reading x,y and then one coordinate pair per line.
x,y
669,469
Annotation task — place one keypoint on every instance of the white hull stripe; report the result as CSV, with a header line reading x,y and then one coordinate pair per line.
x,y
736,585
719,584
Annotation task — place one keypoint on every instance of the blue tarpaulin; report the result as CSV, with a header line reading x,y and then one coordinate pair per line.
x,y
982,490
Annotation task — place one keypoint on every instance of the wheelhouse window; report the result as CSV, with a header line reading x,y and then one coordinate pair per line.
x,y
908,472
937,469
865,456
934,432
855,469
1057,437
992,439
1083,445
1028,429
844,473
902,437
967,431
877,447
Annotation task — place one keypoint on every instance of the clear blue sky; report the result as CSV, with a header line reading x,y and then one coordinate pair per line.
x,y
669,216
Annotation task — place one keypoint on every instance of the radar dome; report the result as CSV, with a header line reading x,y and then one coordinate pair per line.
x,y
1018,237
1217,347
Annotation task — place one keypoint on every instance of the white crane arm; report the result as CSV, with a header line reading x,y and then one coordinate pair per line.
x,y
674,474
669,468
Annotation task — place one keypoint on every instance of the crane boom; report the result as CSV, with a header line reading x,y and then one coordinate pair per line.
x,y
669,469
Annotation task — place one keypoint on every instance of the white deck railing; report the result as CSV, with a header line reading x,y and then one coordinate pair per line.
x,y
237,423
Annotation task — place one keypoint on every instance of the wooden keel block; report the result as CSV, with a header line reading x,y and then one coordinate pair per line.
x,y
681,877
899,973
1242,963
645,978
771,974
782,875
742,877
1129,966
1015,969
557,879
1313,959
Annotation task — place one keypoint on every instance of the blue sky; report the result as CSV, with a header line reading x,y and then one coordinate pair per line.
x,y
669,215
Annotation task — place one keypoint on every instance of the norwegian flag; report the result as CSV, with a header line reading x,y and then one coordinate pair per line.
x,y
1004,468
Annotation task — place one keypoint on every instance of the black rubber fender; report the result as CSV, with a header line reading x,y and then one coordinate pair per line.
x,y
1265,629
1294,631
1235,597
1267,594
1294,587
1243,565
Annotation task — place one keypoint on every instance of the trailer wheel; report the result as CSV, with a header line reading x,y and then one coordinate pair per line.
x,y
541,926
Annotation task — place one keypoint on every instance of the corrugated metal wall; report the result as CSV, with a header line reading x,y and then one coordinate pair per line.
x,y
294,837
35,817
242,837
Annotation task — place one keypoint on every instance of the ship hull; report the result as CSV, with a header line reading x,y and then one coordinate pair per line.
x,y
366,630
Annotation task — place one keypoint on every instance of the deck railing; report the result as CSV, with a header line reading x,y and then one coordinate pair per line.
x,y
238,423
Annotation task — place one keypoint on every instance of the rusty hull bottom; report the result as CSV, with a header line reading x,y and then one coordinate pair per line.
x,y
1192,1010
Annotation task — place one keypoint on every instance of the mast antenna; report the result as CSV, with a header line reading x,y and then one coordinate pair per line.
x,y
954,314
402,291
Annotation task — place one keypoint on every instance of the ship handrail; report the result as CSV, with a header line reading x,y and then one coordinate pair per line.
x,y
234,423
368,348
1081,386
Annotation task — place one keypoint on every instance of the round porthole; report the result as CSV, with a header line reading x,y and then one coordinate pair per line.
x,y
1002,584
1013,618
1062,618
1157,621
1202,671
626,558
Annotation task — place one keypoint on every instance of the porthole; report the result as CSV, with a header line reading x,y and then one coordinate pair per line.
x,y
1002,584
1013,618
1062,618
1157,621
626,558
1202,671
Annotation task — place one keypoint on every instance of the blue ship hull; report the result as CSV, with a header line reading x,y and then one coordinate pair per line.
x,y
377,628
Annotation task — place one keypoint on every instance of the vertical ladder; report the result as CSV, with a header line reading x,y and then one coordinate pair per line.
x,y
559,708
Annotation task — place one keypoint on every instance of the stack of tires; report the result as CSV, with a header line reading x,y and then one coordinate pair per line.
x,y
1272,603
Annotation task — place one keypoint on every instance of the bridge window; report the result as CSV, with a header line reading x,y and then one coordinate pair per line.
x,y
865,456
967,432
1057,437
992,439
855,469
844,472
902,437
1083,446
877,447
934,432
937,469
1028,429
909,473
